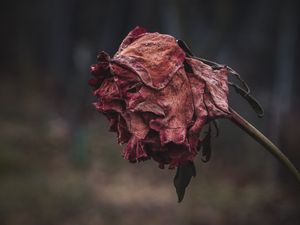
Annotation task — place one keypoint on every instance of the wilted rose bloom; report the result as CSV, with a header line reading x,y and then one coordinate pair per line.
x,y
156,98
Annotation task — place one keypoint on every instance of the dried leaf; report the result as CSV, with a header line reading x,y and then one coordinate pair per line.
x,y
206,146
216,125
183,177
185,48
249,98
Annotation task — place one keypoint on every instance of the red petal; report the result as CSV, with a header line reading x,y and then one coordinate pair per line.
x,y
134,150
108,90
100,70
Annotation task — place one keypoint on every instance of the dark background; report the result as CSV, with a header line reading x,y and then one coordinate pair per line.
x,y
60,165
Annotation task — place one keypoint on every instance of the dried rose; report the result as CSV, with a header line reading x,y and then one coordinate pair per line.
x,y
155,105
158,97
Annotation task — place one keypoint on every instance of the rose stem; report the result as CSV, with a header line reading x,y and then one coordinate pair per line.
x,y
264,141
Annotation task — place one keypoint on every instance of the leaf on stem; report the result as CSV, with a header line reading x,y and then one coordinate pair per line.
x,y
206,146
249,98
183,177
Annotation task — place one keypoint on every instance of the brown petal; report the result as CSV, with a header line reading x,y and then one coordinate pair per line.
x,y
177,101
131,37
123,77
216,87
154,57
149,107
200,115
135,124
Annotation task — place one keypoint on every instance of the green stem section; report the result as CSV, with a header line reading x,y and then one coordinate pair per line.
x,y
265,142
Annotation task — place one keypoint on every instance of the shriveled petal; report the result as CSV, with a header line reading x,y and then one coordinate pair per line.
x,y
149,107
216,87
118,124
173,104
124,78
122,131
109,98
177,101
134,150
135,124
100,70
176,135
109,106
154,57
200,113
172,154
133,35
108,90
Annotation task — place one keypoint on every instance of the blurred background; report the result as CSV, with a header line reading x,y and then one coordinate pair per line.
x,y
60,165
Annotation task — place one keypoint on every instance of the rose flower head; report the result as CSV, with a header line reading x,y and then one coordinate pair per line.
x,y
157,107
157,97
